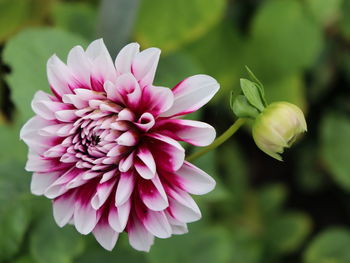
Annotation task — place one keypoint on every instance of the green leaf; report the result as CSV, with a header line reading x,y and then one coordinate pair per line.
x,y
330,246
277,49
203,244
115,22
253,94
49,243
68,15
325,11
242,108
335,145
287,232
14,215
9,140
171,24
27,54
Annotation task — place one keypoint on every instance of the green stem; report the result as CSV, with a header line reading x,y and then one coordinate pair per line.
x,y
220,140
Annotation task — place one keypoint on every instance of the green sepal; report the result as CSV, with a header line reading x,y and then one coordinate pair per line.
x,y
259,84
253,94
242,108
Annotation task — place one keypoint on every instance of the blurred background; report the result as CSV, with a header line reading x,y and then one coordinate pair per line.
x,y
262,211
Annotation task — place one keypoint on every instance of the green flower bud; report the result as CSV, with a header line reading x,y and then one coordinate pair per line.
x,y
277,127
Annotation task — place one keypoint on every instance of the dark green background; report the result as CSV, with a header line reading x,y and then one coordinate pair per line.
x,y
262,211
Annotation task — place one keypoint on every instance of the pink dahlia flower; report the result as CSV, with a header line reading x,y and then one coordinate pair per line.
x,y
105,145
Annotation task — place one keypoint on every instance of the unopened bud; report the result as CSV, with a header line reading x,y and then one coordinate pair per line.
x,y
277,127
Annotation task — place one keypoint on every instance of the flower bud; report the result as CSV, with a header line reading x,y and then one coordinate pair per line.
x,y
277,127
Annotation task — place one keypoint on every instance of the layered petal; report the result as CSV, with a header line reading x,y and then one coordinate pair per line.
x,y
191,94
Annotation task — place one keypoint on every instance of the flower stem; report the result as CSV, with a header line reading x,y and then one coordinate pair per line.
x,y
220,140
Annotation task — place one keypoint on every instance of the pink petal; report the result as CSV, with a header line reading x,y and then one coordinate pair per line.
x,y
128,138
130,90
85,218
125,187
194,180
102,193
63,209
145,122
118,216
193,132
113,92
43,106
58,187
156,100
41,181
102,65
182,207
153,195
60,76
35,163
36,142
125,57
145,64
167,152
177,227
79,65
66,115
191,94
145,164
75,101
105,235
126,163
156,223
139,238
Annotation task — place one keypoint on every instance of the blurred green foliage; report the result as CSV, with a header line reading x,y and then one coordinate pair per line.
x,y
261,211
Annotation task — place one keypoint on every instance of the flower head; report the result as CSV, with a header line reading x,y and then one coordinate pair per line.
x,y
104,146
277,127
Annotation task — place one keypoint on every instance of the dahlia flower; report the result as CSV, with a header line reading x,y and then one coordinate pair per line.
x,y
104,146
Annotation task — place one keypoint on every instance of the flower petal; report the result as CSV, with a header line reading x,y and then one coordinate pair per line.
x,y
118,216
194,132
153,194
102,65
145,64
85,218
63,209
191,94
80,65
105,235
125,57
59,76
156,100
145,164
41,181
125,187
102,193
139,238
167,152
194,180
